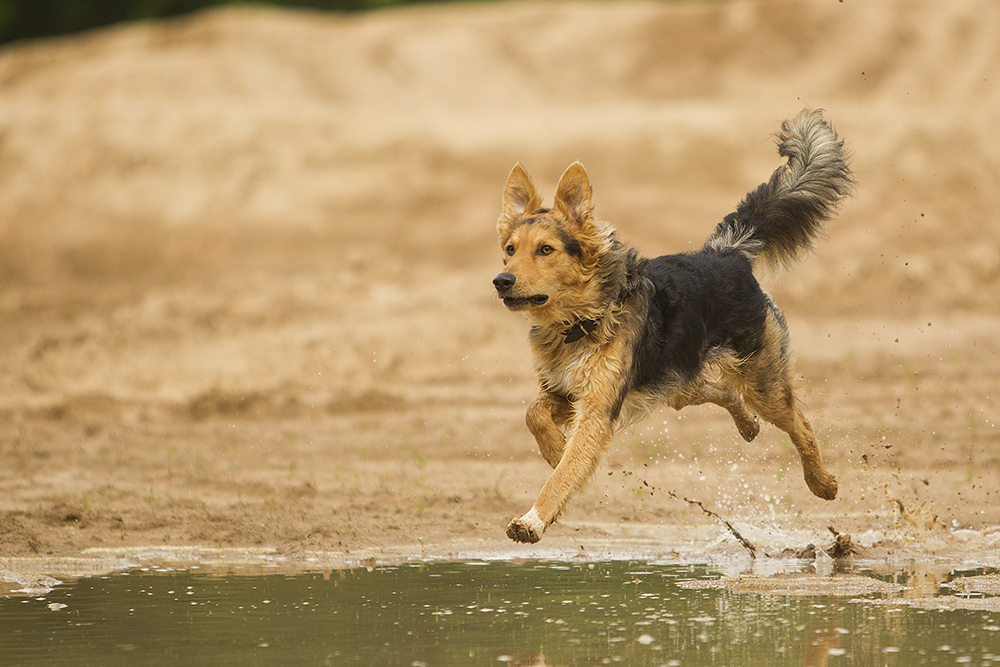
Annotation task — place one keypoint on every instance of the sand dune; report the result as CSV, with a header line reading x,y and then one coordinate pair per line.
x,y
352,130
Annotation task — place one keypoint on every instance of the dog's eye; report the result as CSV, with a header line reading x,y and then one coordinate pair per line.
x,y
546,250
509,249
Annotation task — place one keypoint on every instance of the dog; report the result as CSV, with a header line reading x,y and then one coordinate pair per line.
x,y
613,335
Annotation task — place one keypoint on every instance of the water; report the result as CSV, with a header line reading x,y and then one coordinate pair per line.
x,y
495,613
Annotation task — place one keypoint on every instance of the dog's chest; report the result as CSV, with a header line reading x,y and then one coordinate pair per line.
x,y
567,372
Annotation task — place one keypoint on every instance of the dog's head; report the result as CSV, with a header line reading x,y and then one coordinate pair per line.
x,y
550,255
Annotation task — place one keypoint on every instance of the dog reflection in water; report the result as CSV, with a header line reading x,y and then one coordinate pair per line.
x,y
528,660
822,643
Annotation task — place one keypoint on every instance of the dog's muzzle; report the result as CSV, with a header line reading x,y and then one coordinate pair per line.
x,y
504,282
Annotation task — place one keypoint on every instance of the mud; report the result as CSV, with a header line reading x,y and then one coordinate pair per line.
x,y
245,263
842,585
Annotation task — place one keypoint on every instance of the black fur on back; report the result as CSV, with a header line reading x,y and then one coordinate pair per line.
x,y
695,305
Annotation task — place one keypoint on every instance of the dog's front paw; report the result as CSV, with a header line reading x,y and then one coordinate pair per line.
x,y
527,529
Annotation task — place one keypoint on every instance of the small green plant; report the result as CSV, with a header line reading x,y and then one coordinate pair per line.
x,y
649,448
503,471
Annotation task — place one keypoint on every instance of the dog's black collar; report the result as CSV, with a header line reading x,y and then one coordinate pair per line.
x,y
580,329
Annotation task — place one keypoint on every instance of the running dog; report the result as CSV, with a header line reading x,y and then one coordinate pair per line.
x,y
614,334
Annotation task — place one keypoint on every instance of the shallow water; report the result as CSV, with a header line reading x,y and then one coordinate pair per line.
x,y
497,613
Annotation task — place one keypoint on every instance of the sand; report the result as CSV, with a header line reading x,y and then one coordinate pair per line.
x,y
245,264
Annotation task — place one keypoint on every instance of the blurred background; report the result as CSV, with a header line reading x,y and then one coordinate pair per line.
x,y
26,19
246,252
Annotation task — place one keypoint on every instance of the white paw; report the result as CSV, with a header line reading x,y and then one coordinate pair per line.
x,y
528,528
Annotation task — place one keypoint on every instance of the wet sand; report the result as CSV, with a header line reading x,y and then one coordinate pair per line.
x,y
245,263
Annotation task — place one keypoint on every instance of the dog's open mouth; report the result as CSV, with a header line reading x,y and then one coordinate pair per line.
x,y
519,303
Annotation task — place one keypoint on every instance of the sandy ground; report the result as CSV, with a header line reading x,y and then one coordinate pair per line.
x,y
245,263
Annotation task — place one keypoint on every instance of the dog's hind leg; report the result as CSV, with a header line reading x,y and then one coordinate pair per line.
x,y
725,397
782,410
545,418
767,387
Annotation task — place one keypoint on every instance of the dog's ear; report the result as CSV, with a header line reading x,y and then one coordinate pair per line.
x,y
573,195
519,197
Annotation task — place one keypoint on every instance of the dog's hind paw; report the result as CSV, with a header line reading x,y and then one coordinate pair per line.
x,y
823,485
527,529
749,428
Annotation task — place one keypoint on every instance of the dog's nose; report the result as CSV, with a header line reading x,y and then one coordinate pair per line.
x,y
504,281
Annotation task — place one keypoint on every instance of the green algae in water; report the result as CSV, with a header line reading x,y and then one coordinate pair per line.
x,y
483,613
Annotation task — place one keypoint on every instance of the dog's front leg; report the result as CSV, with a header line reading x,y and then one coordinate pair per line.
x,y
588,442
545,419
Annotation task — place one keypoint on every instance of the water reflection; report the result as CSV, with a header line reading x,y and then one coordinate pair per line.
x,y
488,613
823,644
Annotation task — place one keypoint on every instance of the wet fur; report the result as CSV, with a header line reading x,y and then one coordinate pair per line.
x,y
613,335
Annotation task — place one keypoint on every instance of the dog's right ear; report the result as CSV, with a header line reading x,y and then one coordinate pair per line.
x,y
519,197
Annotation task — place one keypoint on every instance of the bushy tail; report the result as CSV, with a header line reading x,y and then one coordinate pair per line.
x,y
774,226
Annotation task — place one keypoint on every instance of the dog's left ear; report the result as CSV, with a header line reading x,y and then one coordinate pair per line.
x,y
573,195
